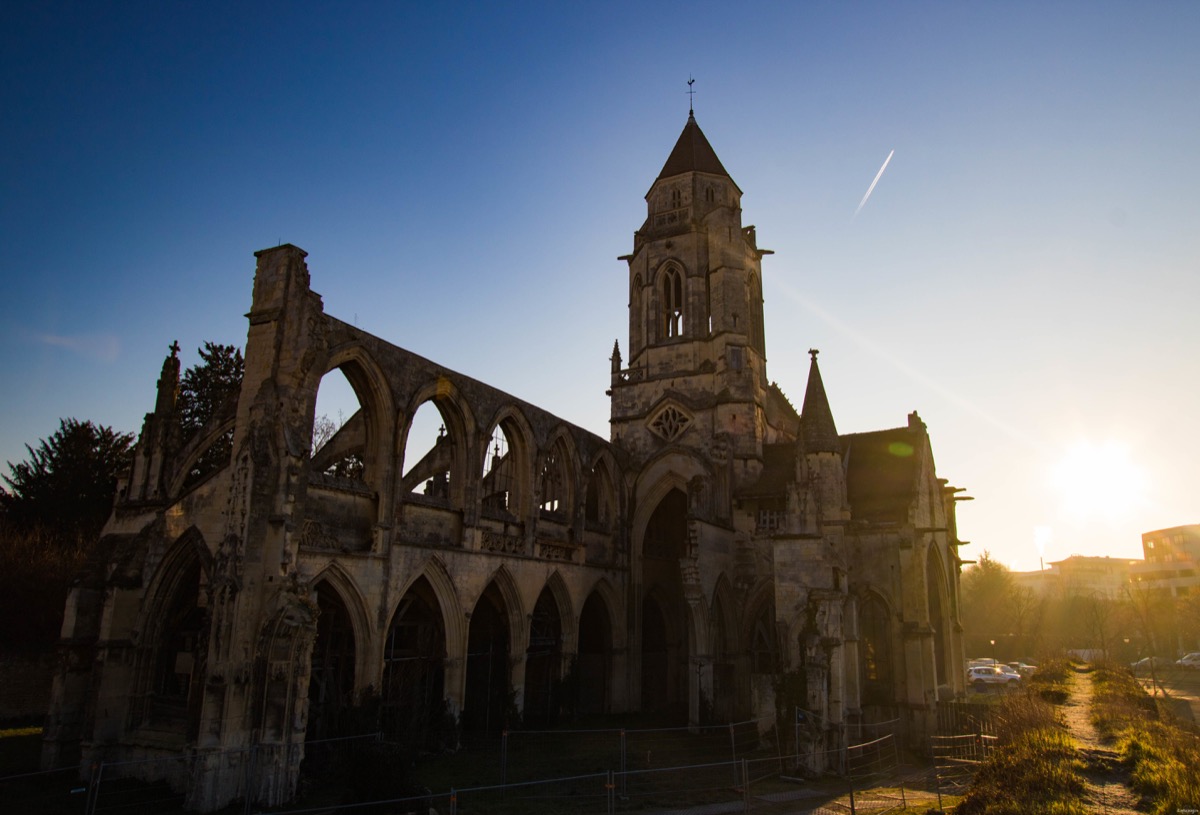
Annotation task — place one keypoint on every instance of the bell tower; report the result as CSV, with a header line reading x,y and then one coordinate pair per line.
x,y
696,374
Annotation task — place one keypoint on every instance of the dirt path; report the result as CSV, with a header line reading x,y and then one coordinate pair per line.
x,y
1108,791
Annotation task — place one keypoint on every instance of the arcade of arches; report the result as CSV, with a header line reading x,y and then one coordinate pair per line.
x,y
451,559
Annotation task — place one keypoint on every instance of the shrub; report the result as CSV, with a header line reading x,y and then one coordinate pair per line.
x,y
1161,755
1035,770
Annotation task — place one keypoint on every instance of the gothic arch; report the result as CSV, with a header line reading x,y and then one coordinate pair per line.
x,y
601,500
335,669
938,608
637,316
438,577
664,266
724,599
760,640
340,581
566,611
496,633
608,595
544,656
558,469
366,377
518,631
171,639
519,436
418,650
375,402
670,469
460,425
671,288
188,546
595,666
195,449
876,648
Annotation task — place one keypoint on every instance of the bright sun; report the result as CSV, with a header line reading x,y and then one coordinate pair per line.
x,y
1099,480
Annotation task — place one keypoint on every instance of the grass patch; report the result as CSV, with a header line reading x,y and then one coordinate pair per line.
x,y
1052,682
1162,754
16,732
1036,770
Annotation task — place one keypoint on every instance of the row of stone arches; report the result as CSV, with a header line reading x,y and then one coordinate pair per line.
x,y
490,657
500,662
485,455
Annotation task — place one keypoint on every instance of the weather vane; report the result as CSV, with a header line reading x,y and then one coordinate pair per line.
x,y
691,93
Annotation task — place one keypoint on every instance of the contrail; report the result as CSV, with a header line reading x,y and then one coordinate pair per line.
x,y
871,188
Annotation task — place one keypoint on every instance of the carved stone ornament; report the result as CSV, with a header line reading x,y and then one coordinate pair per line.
x,y
669,423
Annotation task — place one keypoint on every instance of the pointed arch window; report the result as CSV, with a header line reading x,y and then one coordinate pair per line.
x,y
555,482
875,651
672,303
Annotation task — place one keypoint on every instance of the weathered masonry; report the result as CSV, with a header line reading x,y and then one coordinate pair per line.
x,y
258,592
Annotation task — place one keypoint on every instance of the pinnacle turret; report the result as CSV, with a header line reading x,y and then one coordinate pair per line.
x,y
816,419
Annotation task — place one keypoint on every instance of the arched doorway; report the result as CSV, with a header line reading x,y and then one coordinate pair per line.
x,y
875,652
543,662
414,667
331,681
486,706
179,653
664,615
594,663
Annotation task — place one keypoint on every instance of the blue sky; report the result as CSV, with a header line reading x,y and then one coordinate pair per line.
x,y
1024,273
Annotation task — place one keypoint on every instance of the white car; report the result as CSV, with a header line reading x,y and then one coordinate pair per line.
x,y
980,677
1191,660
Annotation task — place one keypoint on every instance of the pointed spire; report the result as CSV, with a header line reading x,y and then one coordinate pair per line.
x,y
816,419
692,153
168,382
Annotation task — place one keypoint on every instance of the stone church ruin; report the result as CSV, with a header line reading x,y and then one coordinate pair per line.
x,y
522,568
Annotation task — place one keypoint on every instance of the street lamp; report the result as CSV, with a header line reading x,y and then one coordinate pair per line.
x,y
994,651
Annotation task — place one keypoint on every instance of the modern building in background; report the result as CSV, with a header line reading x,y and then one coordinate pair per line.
x,y
1080,576
1172,561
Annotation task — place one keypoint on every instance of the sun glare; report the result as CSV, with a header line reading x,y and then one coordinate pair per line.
x,y
1099,480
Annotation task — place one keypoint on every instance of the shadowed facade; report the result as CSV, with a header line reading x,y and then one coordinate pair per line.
x,y
521,568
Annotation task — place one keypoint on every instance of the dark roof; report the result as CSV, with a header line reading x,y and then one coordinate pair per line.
x,y
779,470
692,153
881,473
816,419
780,412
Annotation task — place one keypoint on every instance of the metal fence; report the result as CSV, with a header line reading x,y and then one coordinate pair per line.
x,y
747,777
956,760
761,783
526,755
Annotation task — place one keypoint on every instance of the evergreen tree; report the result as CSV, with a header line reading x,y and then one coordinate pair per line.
x,y
66,487
207,388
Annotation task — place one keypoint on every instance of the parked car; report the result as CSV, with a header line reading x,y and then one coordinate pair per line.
x,y
1191,660
1010,670
1023,668
1145,664
982,676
